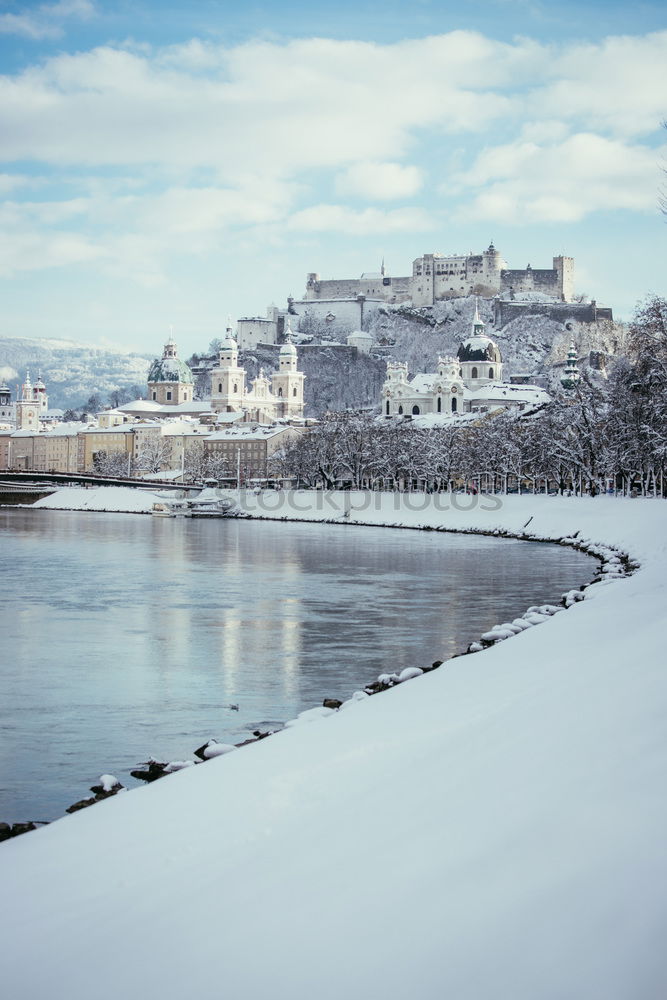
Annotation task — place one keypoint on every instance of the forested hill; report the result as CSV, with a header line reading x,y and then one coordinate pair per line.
x,y
72,371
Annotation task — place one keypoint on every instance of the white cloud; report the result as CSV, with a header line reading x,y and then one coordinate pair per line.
x,y
563,182
367,222
617,85
379,181
45,21
198,141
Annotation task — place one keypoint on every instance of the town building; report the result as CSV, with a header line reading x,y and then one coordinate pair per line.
x,y
471,382
7,407
250,451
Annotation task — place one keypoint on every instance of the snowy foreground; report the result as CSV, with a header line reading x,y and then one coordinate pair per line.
x,y
124,499
492,829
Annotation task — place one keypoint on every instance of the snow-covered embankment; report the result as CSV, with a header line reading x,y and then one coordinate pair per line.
x,y
494,828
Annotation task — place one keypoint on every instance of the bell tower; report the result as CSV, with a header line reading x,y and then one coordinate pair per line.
x,y
28,406
228,385
287,382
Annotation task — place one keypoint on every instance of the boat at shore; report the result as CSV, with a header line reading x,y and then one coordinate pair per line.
x,y
210,502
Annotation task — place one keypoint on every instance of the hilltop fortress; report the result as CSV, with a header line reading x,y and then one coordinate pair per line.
x,y
342,306
435,277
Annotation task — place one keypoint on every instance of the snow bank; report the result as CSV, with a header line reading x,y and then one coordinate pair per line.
x,y
494,828
122,499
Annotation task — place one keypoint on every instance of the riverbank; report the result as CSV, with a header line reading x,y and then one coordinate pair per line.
x,y
493,828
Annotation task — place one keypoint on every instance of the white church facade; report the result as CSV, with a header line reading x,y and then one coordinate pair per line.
x,y
268,398
468,383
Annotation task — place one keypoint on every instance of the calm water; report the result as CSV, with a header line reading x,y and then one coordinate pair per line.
x,y
126,636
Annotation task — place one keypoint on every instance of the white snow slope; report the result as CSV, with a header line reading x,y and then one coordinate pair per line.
x,y
493,829
123,499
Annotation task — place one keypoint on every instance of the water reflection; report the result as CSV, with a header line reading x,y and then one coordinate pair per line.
x,y
129,636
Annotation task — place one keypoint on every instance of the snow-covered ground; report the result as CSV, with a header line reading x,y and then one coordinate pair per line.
x,y
123,499
492,829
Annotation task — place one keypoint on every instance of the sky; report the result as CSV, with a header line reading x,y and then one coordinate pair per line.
x,y
171,165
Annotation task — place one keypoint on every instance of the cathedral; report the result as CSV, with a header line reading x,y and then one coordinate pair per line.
x,y
271,398
267,399
469,382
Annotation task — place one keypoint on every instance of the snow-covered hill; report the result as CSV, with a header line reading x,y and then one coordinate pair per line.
x,y
72,371
528,344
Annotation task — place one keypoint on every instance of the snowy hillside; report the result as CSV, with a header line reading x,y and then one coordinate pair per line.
x,y
528,344
492,829
72,371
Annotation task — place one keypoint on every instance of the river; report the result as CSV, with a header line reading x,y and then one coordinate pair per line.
x,y
126,636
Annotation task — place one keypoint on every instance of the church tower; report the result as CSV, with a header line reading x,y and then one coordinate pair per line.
x,y
570,375
287,382
228,380
479,357
28,406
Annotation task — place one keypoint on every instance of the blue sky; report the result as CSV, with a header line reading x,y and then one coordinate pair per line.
x,y
166,164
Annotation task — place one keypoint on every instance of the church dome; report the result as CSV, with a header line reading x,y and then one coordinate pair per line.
x,y
479,348
170,369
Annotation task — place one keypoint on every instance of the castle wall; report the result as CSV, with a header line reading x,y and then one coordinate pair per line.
x,y
387,289
546,282
339,315
505,311
254,330
251,332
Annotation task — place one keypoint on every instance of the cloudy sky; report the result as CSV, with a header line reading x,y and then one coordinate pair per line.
x,y
173,165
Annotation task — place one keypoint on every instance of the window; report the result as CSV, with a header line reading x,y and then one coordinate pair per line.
x,y
454,404
219,386
294,391
154,394
415,410
473,373
400,409
168,394
387,407
280,391
236,388
439,405
490,372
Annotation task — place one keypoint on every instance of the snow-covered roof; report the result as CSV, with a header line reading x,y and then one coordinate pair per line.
x,y
423,382
165,409
504,392
246,432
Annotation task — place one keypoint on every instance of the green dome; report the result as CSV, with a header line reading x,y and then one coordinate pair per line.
x,y
170,370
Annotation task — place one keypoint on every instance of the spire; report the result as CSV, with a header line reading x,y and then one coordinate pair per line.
x,y
477,324
382,267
